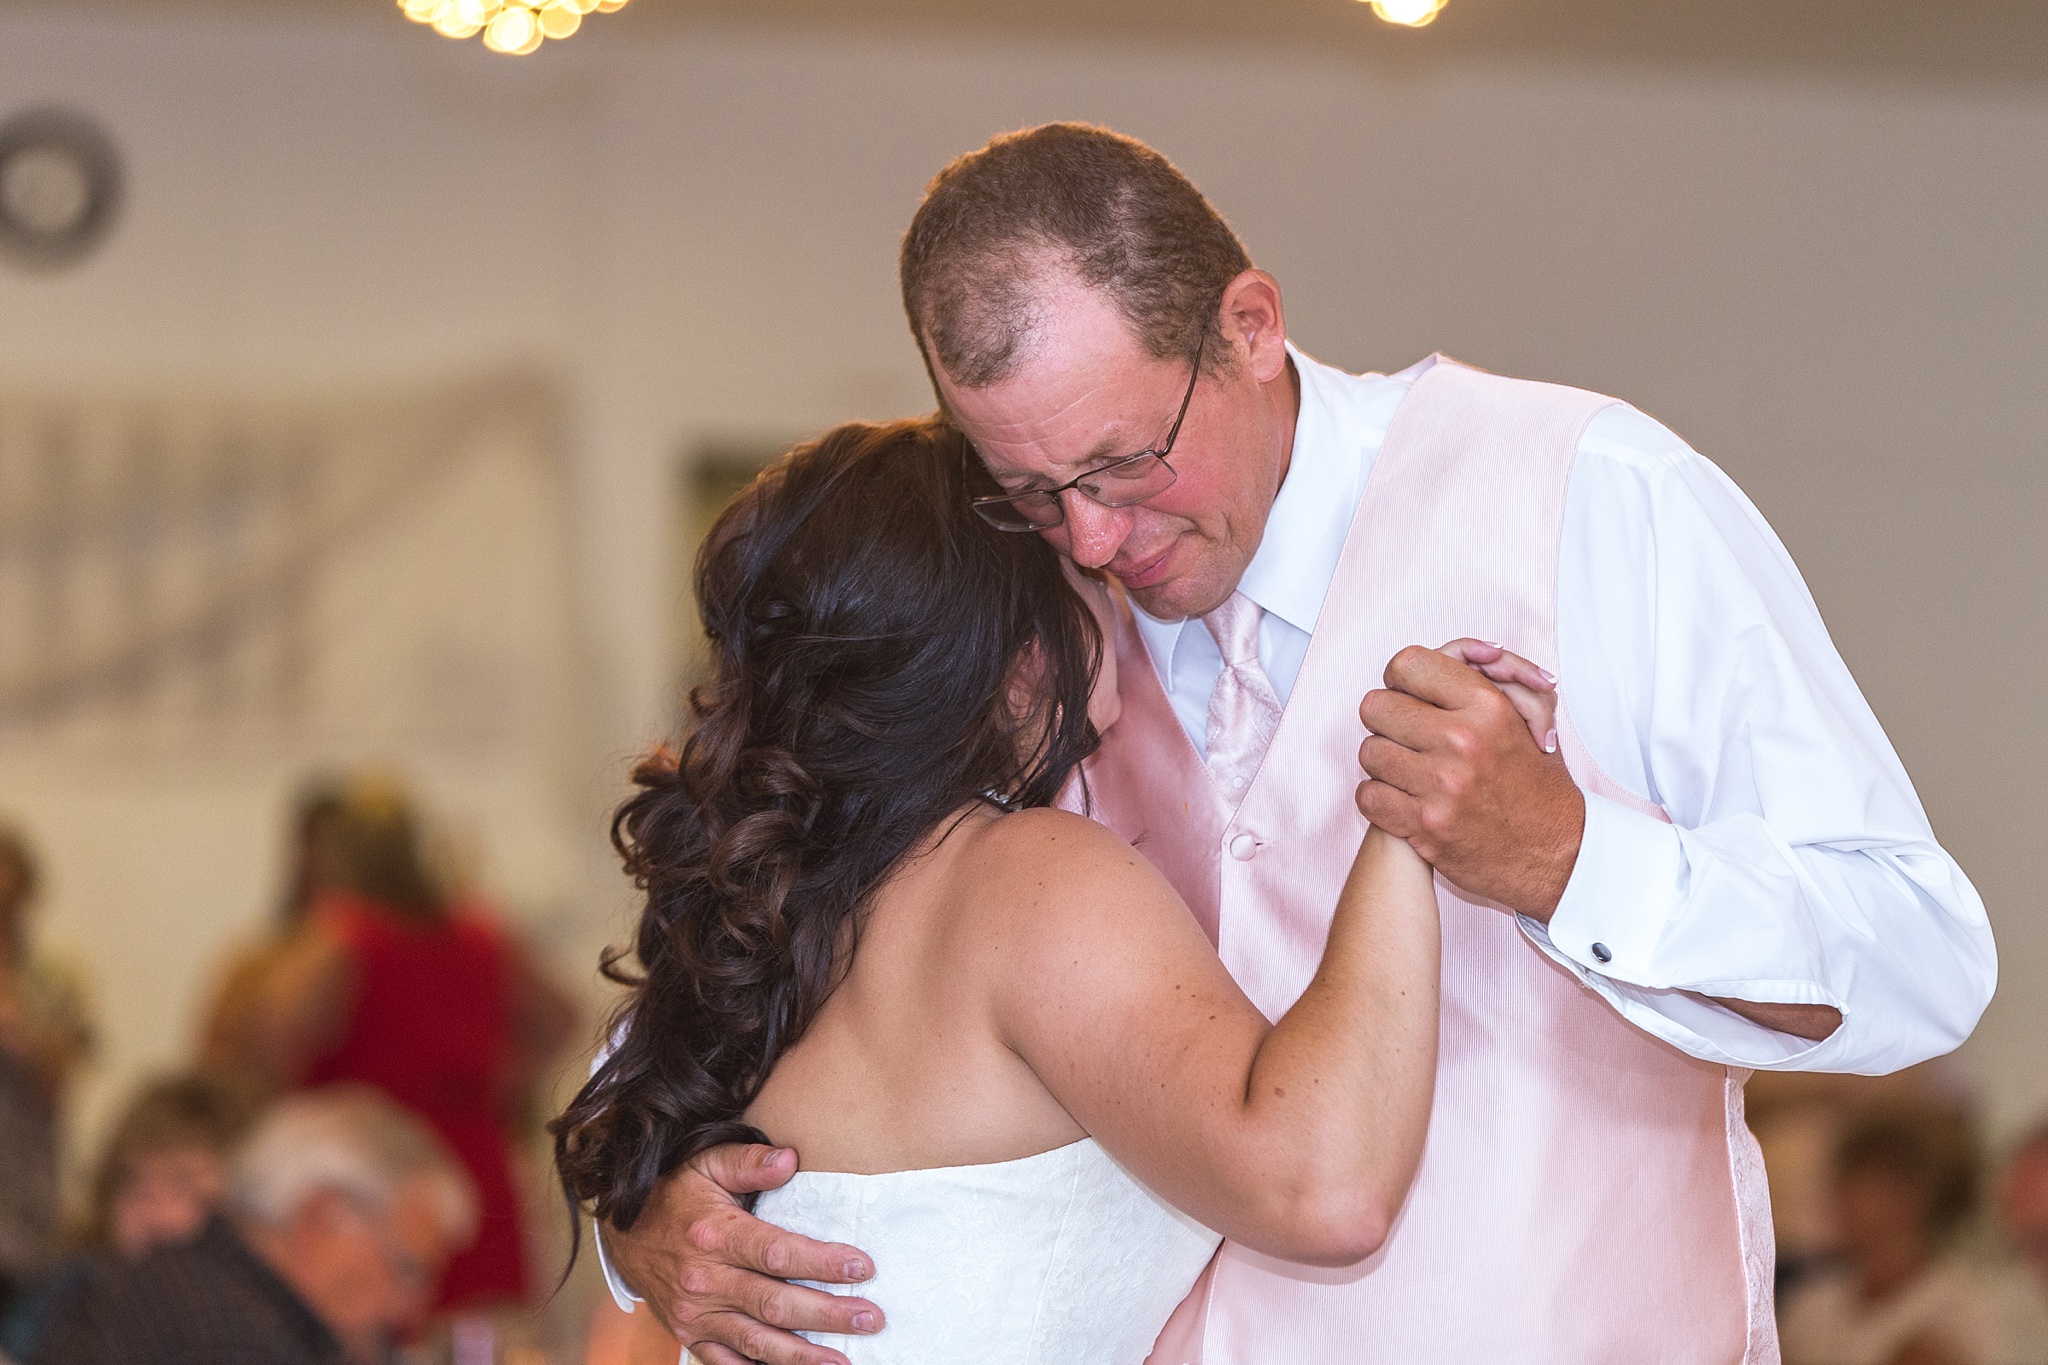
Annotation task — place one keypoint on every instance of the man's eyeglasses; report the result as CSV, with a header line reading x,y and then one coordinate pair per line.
x,y
1124,483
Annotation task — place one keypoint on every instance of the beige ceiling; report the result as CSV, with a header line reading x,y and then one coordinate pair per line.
x,y
1977,41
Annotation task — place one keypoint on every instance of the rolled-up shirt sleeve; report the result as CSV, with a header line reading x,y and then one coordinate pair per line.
x,y
1798,865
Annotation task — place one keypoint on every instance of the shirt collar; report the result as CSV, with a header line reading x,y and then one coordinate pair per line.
x,y
1311,516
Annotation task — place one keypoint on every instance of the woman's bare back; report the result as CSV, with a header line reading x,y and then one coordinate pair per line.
x,y
904,1067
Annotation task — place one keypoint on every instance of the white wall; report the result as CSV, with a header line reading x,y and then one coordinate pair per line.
x,y
1839,291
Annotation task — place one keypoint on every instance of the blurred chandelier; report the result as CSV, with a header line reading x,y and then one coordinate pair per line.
x,y
515,27
1408,13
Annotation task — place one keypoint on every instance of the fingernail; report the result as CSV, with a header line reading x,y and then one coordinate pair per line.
x,y
774,1158
1548,676
1550,742
863,1322
857,1270
1492,644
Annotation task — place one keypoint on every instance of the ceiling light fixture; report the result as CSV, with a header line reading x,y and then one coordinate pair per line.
x,y
1408,13
514,27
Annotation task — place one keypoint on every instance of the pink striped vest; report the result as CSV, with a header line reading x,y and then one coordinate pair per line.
x,y
1589,1195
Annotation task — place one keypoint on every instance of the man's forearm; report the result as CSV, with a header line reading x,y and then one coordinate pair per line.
x,y
1811,1022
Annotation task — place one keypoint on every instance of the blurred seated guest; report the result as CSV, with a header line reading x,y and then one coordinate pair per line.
x,y
341,1211
165,1168
2023,1219
43,1038
2023,1204
231,1043
394,983
1904,1179
162,1177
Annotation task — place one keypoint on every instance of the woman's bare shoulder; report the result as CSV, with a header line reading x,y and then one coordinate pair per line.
x,y
1058,847
1038,874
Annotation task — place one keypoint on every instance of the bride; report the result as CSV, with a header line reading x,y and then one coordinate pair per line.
x,y
1015,1069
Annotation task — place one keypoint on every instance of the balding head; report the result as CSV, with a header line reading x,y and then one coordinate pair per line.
x,y
1063,203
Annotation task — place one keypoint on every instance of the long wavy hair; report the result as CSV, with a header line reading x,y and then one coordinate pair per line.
x,y
866,631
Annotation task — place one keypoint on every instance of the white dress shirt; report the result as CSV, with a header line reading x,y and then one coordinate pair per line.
x,y
1798,867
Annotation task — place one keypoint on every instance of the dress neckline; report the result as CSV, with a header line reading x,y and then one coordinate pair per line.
x,y
1064,1149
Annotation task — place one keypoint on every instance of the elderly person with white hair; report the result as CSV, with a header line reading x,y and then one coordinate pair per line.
x,y
342,1209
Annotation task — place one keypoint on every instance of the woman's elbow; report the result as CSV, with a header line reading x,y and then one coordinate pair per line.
x,y
1330,1228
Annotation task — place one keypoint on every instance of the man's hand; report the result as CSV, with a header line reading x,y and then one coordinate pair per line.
x,y
1452,768
715,1275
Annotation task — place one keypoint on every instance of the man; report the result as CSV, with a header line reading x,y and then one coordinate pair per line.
x,y
1716,864
342,1210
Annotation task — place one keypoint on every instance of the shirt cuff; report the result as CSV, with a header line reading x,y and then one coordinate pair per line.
x,y
622,1296
1624,889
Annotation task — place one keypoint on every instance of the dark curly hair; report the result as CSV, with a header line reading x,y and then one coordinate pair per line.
x,y
866,630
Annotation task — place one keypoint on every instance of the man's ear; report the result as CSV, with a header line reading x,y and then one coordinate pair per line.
x,y
1252,319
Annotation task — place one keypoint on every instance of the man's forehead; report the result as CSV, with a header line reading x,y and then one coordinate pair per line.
x,y
1049,421
1028,459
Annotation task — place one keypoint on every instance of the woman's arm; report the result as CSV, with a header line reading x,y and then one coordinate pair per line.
x,y
1298,1139
301,1003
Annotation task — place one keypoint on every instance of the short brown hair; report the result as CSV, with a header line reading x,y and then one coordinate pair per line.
x,y
172,1113
1070,196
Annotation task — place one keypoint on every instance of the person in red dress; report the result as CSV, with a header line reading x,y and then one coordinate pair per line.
x,y
430,998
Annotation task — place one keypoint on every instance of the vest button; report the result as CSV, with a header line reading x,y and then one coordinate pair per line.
x,y
1242,848
1601,952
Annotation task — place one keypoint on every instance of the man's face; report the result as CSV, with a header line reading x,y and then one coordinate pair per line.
x,y
165,1198
1090,394
369,1273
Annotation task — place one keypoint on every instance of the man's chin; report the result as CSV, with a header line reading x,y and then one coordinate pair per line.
x,y
1163,601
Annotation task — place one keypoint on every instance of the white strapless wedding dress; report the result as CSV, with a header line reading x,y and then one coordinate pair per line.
x,y
1054,1259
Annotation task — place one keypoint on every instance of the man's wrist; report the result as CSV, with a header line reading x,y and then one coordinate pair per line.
x,y
1558,861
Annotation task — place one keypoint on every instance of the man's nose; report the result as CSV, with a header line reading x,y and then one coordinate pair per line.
x,y
1094,532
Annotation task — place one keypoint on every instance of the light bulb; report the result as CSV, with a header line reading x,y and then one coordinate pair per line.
x,y
421,11
1408,13
450,23
559,19
610,6
510,31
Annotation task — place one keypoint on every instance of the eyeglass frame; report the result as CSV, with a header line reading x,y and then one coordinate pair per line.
x,y
993,500
407,1268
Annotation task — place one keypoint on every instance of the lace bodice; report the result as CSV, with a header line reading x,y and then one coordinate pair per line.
x,y
1055,1258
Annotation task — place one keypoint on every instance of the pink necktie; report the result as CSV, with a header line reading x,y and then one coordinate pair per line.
x,y
1243,710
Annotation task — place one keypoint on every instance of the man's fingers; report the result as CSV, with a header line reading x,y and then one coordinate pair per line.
x,y
1394,765
798,1308
740,1239
730,1337
1501,665
1435,677
1389,808
1401,718
746,1167
719,1288
711,1353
